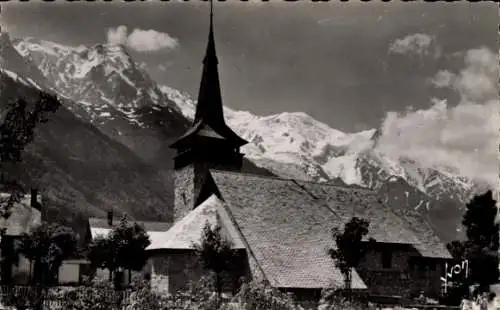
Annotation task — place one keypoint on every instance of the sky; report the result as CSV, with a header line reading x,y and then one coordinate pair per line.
x,y
424,73
344,64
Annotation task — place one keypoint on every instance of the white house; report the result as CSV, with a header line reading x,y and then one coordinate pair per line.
x,y
100,227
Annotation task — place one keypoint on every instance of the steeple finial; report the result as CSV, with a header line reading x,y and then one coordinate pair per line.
x,y
210,52
209,109
211,11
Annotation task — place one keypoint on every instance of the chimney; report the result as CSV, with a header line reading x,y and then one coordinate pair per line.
x,y
110,218
34,198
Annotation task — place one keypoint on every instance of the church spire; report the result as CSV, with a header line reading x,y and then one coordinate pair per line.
x,y
210,54
209,116
208,143
209,108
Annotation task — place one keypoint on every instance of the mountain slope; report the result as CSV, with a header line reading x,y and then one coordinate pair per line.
x,y
115,94
78,167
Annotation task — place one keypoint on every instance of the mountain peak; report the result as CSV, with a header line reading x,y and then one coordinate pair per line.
x,y
377,133
25,45
111,49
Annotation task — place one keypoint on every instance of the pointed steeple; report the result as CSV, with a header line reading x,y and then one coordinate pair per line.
x,y
209,107
209,117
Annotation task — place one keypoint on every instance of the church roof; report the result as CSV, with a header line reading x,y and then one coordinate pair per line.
x,y
201,129
287,225
188,231
391,225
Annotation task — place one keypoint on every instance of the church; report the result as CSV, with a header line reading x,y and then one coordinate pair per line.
x,y
281,227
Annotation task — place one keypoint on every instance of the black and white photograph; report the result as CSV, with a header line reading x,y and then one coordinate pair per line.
x,y
249,155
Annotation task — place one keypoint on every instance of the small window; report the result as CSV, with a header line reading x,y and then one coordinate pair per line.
x,y
386,259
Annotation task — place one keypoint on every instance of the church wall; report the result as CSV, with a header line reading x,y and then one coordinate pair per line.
x,y
183,192
174,271
188,182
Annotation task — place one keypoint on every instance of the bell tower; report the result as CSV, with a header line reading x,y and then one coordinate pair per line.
x,y
209,143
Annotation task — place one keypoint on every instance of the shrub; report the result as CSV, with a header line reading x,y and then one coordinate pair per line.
x,y
198,296
260,296
332,300
98,296
142,298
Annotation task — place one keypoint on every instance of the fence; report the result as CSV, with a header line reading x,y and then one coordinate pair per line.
x,y
12,296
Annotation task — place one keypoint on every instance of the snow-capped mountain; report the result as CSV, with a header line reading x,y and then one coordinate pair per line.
x,y
318,152
78,168
108,89
297,146
111,91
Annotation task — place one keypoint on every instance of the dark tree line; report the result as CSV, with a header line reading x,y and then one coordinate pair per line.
x,y
481,245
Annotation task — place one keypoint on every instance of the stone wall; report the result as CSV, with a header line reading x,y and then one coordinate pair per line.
x,y
404,277
183,191
175,271
188,182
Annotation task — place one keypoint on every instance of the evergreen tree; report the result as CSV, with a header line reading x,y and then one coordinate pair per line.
x,y
101,254
350,248
47,246
482,243
215,254
130,241
124,247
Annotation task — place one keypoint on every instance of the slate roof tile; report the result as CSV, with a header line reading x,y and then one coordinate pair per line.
x,y
288,232
288,224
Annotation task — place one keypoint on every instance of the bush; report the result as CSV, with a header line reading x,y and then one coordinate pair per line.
x,y
142,298
260,296
100,295
199,296
332,300
97,296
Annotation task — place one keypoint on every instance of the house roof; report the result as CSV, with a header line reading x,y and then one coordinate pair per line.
x,y
187,231
391,225
23,218
99,226
287,231
287,225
